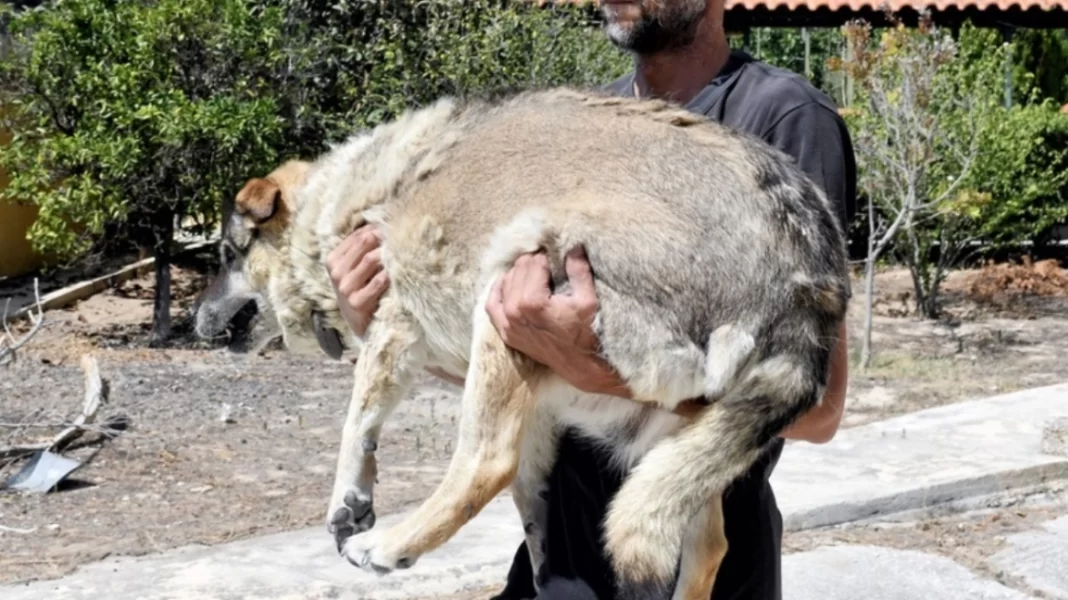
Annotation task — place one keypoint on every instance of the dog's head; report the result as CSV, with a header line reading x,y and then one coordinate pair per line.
x,y
253,249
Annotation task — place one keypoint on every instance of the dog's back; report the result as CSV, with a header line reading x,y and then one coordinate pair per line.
x,y
688,226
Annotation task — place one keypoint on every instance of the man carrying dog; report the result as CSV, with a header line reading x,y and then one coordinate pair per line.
x,y
680,53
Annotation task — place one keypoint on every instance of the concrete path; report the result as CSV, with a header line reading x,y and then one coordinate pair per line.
x,y
1040,558
922,459
294,565
874,573
901,464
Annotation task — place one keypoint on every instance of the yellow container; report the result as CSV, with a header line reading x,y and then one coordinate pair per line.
x,y
16,255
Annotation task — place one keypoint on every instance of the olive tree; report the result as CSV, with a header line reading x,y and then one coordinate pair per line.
x,y
135,119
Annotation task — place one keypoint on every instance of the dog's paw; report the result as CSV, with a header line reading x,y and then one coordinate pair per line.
x,y
355,515
369,552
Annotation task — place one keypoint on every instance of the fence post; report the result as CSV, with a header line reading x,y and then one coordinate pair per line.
x,y
808,52
847,79
1007,35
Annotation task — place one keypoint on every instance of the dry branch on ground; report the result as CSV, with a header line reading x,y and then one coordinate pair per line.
x,y
9,344
96,394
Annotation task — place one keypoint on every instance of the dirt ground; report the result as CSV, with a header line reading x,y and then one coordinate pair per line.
x,y
224,445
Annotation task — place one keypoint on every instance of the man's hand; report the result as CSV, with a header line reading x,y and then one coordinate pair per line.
x,y
553,329
355,268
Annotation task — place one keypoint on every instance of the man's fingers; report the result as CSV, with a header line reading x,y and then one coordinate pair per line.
x,y
350,251
510,295
577,267
532,282
495,306
365,300
579,274
359,276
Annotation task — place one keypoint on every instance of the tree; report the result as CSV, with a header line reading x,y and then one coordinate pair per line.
x,y
135,119
916,132
357,64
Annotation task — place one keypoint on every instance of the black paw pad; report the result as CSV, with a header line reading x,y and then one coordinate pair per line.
x,y
356,516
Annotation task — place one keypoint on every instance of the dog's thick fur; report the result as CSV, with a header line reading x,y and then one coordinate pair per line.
x,y
719,267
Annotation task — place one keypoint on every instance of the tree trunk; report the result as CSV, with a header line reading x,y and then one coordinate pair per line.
x,y
869,291
161,306
869,287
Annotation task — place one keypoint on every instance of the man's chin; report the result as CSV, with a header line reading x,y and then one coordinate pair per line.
x,y
619,34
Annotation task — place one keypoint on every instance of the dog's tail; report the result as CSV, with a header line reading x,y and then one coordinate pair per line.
x,y
661,498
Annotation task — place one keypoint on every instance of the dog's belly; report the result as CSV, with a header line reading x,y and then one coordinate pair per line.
x,y
624,427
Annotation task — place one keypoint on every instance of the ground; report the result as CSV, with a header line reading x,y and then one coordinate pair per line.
x,y
968,538
225,445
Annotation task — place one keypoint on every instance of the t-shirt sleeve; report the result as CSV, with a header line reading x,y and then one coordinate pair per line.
x,y
817,138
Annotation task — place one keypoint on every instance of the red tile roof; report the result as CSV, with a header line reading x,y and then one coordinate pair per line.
x,y
855,5
896,5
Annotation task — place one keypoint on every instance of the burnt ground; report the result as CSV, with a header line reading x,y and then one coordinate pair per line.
x,y
224,445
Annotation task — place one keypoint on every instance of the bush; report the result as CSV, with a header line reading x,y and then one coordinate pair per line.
x,y
1023,165
129,116
1040,64
357,64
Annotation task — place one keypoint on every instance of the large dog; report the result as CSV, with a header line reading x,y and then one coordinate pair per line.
x,y
719,267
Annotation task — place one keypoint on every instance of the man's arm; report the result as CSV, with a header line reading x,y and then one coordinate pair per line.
x,y
817,139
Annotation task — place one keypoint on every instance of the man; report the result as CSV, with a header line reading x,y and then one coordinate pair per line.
x,y
681,53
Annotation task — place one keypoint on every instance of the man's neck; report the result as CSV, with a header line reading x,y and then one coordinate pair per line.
x,y
680,74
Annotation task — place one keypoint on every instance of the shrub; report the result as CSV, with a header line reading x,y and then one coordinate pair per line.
x,y
357,64
1023,165
129,116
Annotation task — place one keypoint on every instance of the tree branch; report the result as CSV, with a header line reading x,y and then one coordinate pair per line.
x,y
9,344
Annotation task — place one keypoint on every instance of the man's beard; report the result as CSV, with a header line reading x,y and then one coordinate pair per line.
x,y
674,26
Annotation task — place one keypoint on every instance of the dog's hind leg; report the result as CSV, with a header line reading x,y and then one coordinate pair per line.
x,y
498,398
650,515
538,451
386,365
702,553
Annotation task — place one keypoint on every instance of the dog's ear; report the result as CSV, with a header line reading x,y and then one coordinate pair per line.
x,y
259,199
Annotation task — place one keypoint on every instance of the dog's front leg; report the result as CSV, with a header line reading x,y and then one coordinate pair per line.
x,y
384,370
498,396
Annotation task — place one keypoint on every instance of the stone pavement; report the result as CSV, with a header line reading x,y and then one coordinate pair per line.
x,y
289,566
921,459
905,464
874,573
1040,558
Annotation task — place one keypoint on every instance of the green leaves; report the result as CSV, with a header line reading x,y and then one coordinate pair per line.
x,y
126,112
360,64
1024,167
